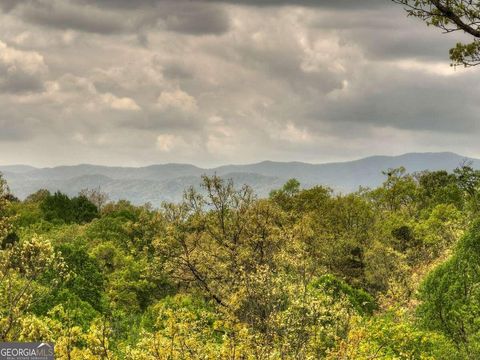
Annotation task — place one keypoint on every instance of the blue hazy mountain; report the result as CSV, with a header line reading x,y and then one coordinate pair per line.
x,y
157,183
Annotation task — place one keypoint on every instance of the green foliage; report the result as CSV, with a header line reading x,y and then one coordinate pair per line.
x,y
304,274
440,187
362,302
38,196
283,197
5,221
392,336
86,279
60,208
451,298
57,207
22,267
83,209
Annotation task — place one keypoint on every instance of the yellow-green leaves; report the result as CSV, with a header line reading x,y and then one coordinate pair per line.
x,y
20,267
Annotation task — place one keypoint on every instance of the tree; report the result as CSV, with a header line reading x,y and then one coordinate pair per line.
x,y
304,274
38,196
184,327
59,207
21,270
439,187
397,192
451,16
83,210
95,196
209,249
451,296
5,221
86,279
468,180
392,336
283,196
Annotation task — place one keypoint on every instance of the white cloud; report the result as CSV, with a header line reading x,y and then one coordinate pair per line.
x,y
120,103
21,71
429,67
293,134
166,142
177,100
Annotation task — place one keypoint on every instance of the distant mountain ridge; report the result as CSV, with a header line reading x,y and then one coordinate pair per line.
x,y
157,183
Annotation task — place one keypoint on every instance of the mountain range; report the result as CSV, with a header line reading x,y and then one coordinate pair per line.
x,y
167,182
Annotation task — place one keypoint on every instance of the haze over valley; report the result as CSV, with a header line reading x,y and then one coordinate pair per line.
x,y
157,183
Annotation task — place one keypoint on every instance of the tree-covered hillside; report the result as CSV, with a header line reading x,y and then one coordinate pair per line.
x,y
158,183
384,273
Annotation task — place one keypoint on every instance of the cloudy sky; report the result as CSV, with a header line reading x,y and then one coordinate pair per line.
x,y
121,82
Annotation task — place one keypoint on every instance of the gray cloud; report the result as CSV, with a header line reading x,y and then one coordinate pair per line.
x,y
184,16
19,82
192,19
8,5
208,82
62,16
177,71
113,17
18,126
385,33
428,103
335,4
326,4
14,132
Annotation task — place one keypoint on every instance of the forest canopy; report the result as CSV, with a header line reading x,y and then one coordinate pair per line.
x,y
303,274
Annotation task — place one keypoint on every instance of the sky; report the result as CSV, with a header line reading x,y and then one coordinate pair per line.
x,y
121,82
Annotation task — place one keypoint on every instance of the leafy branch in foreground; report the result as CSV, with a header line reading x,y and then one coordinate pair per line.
x,y
451,16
